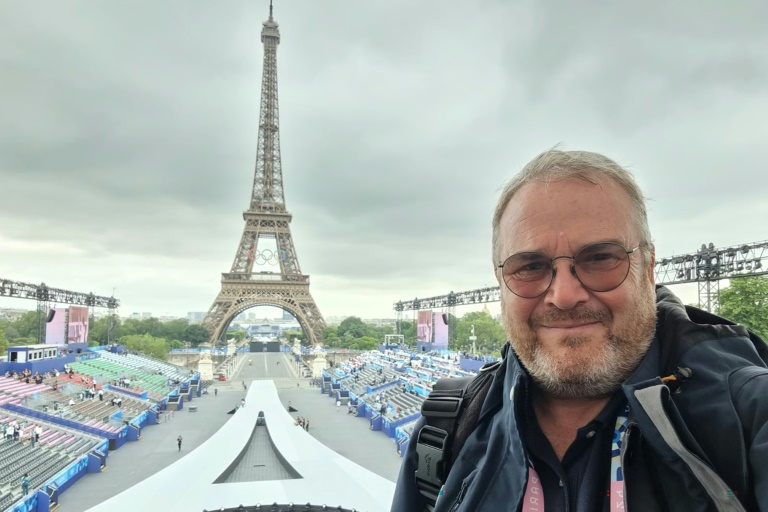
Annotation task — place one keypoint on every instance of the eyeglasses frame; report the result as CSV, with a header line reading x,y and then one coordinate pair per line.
x,y
573,268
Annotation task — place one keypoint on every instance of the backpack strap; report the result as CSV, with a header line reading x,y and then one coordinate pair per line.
x,y
450,411
651,399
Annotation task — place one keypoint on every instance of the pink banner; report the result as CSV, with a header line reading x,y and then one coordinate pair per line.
x,y
78,325
424,327
441,330
56,327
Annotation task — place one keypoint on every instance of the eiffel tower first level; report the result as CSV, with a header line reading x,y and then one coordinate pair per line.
x,y
266,221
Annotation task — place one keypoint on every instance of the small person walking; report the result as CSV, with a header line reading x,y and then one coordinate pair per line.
x,y
25,481
242,402
215,392
179,441
338,405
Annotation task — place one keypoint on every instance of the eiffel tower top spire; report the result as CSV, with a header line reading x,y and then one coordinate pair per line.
x,y
267,193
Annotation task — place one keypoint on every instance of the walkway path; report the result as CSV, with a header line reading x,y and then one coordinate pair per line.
x,y
135,461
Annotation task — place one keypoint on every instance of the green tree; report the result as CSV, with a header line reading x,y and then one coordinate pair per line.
x,y
97,331
105,330
745,301
196,334
331,336
408,330
364,343
24,341
174,329
11,333
3,343
490,333
237,335
354,326
26,325
147,344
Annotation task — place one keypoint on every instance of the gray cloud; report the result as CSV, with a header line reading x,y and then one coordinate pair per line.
x,y
128,134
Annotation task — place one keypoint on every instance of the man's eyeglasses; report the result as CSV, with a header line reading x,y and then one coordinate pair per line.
x,y
599,267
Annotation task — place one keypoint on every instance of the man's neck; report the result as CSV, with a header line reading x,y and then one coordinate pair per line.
x,y
559,419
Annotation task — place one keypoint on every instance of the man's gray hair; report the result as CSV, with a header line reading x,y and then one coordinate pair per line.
x,y
555,165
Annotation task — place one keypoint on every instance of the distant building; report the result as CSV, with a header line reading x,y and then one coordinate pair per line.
x,y
12,314
381,322
168,318
287,317
334,320
195,317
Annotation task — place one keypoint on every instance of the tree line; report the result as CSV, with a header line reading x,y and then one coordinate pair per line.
x,y
148,335
354,334
744,301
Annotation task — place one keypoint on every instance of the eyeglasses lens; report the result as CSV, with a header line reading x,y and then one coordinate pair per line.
x,y
599,267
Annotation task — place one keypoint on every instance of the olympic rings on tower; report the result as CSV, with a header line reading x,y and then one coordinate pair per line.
x,y
266,256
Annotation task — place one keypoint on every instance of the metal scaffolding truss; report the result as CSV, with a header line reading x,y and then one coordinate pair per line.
x,y
44,293
707,266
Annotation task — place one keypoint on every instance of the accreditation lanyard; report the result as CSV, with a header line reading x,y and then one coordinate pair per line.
x,y
533,501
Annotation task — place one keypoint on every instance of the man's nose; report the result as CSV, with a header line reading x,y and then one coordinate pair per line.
x,y
566,291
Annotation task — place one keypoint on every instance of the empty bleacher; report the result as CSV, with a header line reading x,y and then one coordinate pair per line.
x,y
108,372
398,381
74,388
57,448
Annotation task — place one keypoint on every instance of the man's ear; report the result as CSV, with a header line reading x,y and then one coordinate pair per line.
x,y
652,265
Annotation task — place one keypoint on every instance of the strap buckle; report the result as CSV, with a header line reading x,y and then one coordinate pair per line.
x,y
431,448
441,407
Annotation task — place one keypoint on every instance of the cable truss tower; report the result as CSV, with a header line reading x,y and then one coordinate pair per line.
x,y
266,219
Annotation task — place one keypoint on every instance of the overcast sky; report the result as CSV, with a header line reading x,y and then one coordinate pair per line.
x,y
128,134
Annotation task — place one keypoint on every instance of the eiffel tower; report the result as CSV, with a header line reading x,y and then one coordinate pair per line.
x,y
266,218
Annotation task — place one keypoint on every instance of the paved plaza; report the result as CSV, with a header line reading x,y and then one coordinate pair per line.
x,y
136,461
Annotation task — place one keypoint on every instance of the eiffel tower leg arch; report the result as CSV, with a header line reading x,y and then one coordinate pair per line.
x,y
235,299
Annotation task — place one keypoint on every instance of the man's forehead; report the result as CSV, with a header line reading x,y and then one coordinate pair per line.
x,y
577,210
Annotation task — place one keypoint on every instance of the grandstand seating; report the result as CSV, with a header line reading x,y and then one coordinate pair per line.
x,y
147,364
108,372
60,446
392,379
57,448
131,407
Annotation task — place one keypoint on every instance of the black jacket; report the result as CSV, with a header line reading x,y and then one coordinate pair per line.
x,y
720,414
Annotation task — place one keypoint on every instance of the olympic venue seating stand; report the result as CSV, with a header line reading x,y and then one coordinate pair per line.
x,y
143,377
402,404
57,448
60,446
86,409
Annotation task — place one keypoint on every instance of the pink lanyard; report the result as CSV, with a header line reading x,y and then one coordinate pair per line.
x,y
533,501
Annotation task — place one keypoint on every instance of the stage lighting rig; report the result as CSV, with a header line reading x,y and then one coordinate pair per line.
x,y
44,295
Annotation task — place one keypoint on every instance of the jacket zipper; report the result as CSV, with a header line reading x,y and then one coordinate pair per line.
x,y
630,427
460,497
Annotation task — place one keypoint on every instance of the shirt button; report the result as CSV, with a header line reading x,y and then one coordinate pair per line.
x,y
590,434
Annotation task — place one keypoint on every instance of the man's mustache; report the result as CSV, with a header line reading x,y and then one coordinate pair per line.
x,y
553,316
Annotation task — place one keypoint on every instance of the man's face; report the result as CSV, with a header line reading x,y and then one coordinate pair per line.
x,y
576,343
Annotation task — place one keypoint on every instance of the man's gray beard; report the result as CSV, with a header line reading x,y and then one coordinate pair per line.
x,y
607,369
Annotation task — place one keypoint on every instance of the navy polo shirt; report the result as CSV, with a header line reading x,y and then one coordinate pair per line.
x,y
581,481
